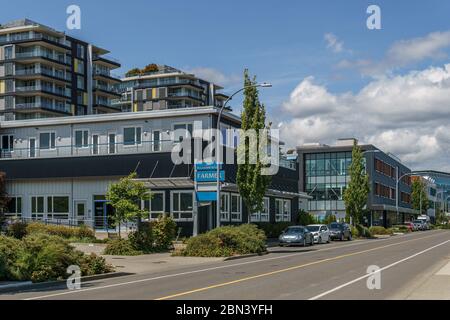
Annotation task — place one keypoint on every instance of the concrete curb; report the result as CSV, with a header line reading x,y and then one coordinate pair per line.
x,y
245,256
28,285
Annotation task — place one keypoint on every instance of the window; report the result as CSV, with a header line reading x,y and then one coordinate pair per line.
x,y
81,139
156,205
224,207
14,207
80,51
95,141
111,143
282,210
132,136
58,207
7,143
47,140
37,207
80,82
182,205
262,216
182,131
236,208
156,141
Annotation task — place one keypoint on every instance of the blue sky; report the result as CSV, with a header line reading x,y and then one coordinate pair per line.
x,y
281,42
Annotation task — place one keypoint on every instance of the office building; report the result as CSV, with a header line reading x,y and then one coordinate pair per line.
x,y
324,175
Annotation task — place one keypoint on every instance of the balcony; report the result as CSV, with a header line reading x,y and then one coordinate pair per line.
x,y
46,89
36,72
100,149
45,55
36,37
41,105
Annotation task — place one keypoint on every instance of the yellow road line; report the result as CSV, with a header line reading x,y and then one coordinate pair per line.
x,y
285,270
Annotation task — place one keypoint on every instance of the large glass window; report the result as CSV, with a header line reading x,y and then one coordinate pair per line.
x,y
156,205
236,208
182,205
262,216
14,207
132,136
282,210
47,140
224,207
81,138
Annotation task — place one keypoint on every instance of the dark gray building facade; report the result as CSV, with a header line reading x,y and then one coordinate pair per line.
x,y
324,175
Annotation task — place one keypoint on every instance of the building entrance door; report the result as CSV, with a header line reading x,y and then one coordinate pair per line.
x,y
103,212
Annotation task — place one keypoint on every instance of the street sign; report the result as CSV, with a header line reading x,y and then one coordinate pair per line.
x,y
206,196
207,166
209,176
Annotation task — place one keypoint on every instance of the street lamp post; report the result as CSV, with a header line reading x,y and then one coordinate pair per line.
x,y
218,149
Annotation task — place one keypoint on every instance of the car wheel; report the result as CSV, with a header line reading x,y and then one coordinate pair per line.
x,y
350,237
320,240
312,241
342,237
304,242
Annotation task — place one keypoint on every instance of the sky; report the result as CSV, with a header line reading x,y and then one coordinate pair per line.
x,y
332,77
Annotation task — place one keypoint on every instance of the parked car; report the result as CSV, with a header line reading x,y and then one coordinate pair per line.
x,y
320,232
296,235
340,231
421,225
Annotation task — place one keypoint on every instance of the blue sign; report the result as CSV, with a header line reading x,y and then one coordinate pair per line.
x,y
209,176
206,196
204,166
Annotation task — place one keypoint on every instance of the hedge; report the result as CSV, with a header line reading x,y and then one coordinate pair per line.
x,y
227,241
20,230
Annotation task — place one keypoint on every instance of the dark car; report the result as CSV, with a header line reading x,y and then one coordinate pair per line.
x,y
296,235
340,231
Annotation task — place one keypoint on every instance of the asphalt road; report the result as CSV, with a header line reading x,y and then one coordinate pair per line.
x,y
332,271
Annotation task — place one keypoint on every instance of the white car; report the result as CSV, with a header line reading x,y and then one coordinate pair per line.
x,y
320,232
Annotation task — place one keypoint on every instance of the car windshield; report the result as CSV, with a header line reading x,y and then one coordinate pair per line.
x,y
313,228
294,230
335,226
418,221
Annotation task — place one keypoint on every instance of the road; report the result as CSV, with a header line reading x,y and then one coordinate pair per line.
x,y
332,271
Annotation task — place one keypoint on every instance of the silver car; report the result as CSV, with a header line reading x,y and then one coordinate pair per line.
x,y
320,232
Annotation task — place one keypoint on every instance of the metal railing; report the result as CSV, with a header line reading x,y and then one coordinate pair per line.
x,y
50,221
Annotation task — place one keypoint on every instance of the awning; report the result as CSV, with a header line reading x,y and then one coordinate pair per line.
x,y
385,207
168,183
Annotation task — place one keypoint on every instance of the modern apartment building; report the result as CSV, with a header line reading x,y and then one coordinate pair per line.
x,y
59,169
324,175
46,73
166,88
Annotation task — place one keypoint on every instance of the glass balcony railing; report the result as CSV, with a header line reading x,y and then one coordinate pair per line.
x,y
39,105
62,92
43,54
59,75
37,37
96,149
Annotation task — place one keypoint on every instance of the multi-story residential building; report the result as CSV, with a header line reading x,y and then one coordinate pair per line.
x,y
167,88
59,169
46,73
324,175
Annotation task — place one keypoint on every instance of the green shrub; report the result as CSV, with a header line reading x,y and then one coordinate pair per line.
x,y
359,231
121,247
41,257
377,230
17,230
142,240
73,233
164,232
273,230
227,241
93,264
10,249
46,257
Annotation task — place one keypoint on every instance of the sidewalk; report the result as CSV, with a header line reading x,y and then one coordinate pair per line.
x,y
149,263
435,287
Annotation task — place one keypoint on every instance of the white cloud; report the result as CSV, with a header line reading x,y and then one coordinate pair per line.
x,y
333,42
215,76
403,53
404,114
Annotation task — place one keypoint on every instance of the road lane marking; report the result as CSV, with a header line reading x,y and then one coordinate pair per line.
x,y
210,269
380,270
223,284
